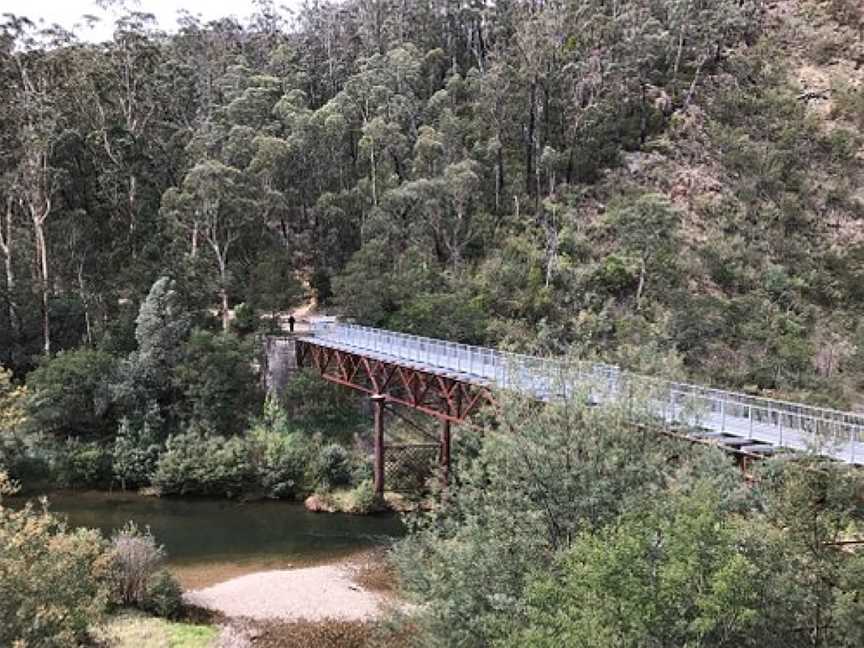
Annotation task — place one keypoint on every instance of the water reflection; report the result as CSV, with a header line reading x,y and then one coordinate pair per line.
x,y
210,540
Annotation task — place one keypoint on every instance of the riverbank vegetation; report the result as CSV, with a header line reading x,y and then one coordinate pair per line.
x,y
567,525
180,415
58,584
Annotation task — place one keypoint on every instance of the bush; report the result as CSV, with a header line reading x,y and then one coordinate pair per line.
x,y
78,464
164,597
283,462
219,386
363,498
245,320
138,579
136,558
194,464
135,455
85,410
334,466
53,582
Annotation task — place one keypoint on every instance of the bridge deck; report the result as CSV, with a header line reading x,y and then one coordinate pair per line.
x,y
739,419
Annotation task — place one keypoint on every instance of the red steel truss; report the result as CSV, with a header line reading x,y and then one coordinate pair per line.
x,y
443,397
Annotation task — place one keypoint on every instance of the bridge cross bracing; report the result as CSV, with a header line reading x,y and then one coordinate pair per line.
x,y
749,423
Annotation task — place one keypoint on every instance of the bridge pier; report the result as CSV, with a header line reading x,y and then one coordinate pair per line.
x,y
378,411
444,455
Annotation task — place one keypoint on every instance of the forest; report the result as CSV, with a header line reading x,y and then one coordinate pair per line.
x,y
651,182
675,187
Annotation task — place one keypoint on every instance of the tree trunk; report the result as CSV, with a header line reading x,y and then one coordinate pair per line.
x,y
194,252
82,293
6,248
226,323
42,252
374,186
499,173
223,293
641,284
529,144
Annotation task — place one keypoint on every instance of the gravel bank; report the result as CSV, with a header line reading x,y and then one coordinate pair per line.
x,y
311,593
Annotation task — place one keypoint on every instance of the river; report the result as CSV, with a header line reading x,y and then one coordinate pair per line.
x,y
210,540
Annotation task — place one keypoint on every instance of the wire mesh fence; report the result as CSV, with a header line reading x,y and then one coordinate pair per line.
x,y
409,466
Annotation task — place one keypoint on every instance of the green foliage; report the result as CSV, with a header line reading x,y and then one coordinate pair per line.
x,y
197,464
145,385
670,575
77,464
363,498
807,578
162,326
56,408
164,597
450,316
134,455
848,101
14,456
533,484
246,320
333,466
217,382
53,582
313,405
273,285
284,460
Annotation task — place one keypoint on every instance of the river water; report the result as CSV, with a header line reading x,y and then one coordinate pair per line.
x,y
209,540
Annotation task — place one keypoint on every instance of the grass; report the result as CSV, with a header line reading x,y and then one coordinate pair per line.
x,y
137,630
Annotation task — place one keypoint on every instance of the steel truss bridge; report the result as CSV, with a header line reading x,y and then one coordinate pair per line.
x,y
451,381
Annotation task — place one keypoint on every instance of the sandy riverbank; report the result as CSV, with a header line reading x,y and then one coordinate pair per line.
x,y
310,593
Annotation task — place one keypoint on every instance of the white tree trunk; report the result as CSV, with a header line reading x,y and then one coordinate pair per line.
x,y
9,268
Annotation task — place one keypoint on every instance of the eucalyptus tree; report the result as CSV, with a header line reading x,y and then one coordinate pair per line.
x,y
38,71
213,206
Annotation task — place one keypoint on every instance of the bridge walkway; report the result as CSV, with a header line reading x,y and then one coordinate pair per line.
x,y
751,424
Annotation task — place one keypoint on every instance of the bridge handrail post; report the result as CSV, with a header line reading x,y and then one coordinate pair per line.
x,y
750,417
672,406
780,425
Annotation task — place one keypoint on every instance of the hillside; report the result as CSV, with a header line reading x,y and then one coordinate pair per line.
x,y
674,186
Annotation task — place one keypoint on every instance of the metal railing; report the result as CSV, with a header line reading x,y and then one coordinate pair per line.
x,y
787,424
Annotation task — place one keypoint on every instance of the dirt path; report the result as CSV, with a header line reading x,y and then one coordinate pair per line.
x,y
311,593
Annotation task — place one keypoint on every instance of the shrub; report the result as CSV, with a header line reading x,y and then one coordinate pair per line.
x,y
53,582
136,558
194,464
135,455
217,381
334,466
245,320
85,410
283,462
164,597
81,464
363,498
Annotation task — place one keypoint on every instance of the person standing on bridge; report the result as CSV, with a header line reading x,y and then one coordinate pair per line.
x,y
291,322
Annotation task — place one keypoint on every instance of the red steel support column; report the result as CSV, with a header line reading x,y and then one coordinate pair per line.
x,y
445,449
378,409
